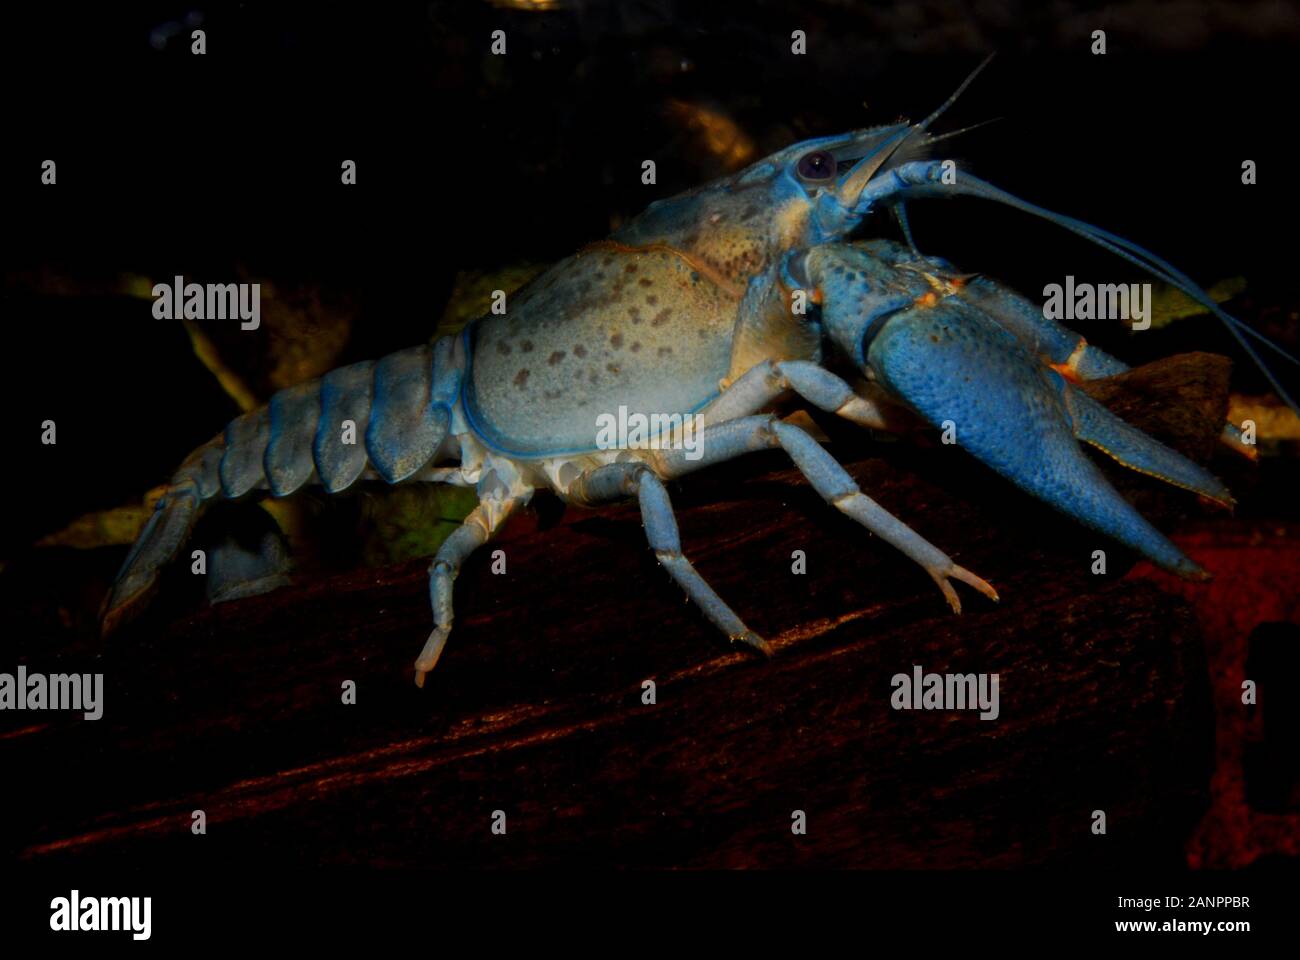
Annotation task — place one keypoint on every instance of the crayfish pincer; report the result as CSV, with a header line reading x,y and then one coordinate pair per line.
x,y
700,315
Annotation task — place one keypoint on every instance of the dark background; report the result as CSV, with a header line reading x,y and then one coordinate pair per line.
x,y
171,163
204,166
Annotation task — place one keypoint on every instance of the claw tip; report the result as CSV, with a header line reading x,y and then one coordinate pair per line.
x,y
751,639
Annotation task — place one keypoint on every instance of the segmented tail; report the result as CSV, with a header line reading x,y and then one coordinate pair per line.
x,y
383,418
163,535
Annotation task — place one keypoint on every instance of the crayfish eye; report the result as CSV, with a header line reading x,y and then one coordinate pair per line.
x,y
816,166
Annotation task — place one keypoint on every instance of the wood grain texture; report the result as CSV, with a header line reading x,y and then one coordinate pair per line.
x,y
536,707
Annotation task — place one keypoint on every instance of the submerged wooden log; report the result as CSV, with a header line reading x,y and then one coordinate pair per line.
x,y
537,718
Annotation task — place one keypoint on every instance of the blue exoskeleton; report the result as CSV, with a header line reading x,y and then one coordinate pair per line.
x,y
718,302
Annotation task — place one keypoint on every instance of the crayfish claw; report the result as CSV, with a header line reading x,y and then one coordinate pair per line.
x,y
751,639
979,583
941,576
949,594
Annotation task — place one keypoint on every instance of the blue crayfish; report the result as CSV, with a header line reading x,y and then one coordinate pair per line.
x,y
714,304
